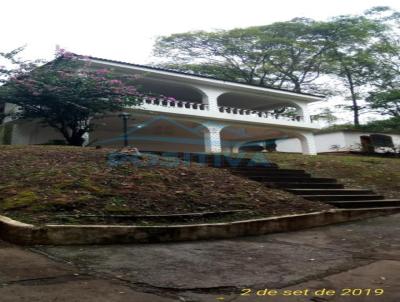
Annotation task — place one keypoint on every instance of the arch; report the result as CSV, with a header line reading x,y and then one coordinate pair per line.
x,y
151,133
251,103
234,136
307,142
177,90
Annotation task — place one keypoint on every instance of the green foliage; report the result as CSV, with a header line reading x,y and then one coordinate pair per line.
x,y
325,115
361,52
354,44
283,55
391,125
14,64
67,93
21,200
386,102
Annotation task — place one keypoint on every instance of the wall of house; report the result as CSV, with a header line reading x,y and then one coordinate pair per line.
x,y
326,142
32,133
288,145
146,142
396,140
330,142
8,109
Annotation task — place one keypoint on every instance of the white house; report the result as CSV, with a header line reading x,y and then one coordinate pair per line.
x,y
208,115
343,140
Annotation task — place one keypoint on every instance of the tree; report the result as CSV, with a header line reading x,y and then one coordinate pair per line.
x,y
385,97
283,55
12,65
325,115
65,94
388,125
356,47
386,102
351,55
356,50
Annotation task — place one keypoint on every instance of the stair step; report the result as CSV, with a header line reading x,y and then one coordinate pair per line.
x,y
234,165
257,168
314,185
303,191
269,172
272,174
382,203
278,179
343,197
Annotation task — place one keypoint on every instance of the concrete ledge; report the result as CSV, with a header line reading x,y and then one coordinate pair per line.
x,y
26,234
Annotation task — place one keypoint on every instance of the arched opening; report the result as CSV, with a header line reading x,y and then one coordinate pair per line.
x,y
298,142
249,138
237,139
170,89
150,133
242,104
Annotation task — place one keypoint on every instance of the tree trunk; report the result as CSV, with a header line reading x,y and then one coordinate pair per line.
x,y
74,138
297,87
356,111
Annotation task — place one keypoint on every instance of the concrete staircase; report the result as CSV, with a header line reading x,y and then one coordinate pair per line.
x,y
298,182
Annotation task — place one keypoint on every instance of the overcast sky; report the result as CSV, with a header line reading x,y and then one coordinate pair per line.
x,y
125,29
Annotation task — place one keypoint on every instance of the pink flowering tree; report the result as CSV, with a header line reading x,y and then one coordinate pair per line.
x,y
66,93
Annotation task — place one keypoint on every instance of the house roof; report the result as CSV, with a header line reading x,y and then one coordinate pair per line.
x,y
152,68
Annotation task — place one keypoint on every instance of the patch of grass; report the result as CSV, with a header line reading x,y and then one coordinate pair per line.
x,y
21,200
116,205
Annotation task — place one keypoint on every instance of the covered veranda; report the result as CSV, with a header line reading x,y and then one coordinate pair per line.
x,y
160,132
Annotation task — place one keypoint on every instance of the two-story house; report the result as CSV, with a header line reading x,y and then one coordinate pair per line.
x,y
205,115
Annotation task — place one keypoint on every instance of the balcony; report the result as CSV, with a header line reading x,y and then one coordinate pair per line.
x,y
178,107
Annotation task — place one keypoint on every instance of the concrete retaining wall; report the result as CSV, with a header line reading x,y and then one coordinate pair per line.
x,y
27,234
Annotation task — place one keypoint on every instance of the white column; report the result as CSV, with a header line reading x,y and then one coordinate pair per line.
x,y
308,143
86,139
86,136
210,97
304,112
212,137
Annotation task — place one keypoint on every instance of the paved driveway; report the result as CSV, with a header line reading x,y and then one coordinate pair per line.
x,y
363,255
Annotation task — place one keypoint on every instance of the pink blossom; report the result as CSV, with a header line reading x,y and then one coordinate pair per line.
x,y
116,82
102,71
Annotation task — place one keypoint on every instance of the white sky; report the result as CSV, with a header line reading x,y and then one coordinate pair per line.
x,y
125,29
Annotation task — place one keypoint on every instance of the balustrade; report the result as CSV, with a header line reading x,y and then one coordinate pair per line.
x,y
222,109
256,113
175,103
